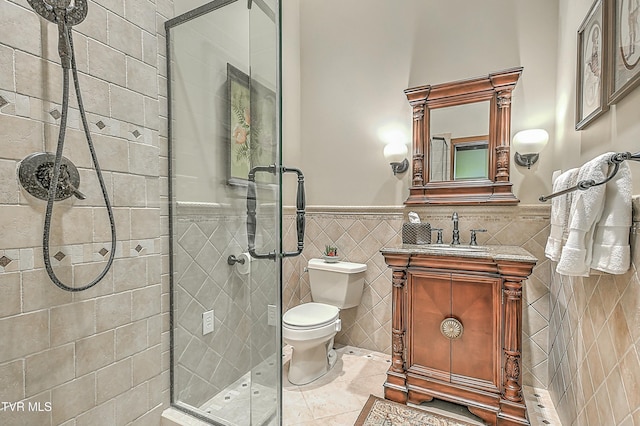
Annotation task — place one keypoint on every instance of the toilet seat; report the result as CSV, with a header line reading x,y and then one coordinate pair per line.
x,y
310,315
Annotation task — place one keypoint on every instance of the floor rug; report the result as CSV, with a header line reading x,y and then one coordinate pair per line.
x,y
382,412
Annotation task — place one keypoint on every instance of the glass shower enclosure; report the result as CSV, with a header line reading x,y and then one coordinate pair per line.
x,y
224,112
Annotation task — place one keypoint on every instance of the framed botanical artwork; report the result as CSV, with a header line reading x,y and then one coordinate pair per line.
x,y
625,47
251,118
591,99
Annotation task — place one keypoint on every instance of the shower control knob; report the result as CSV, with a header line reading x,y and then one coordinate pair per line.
x,y
36,172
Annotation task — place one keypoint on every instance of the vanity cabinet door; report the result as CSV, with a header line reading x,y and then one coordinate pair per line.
x,y
473,301
429,302
475,356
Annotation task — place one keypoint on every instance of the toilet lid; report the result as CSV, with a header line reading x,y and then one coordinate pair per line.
x,y
311,314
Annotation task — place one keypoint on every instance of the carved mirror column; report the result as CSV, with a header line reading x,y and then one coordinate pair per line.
x,y
495,90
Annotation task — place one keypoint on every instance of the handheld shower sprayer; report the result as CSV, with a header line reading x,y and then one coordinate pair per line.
x,y
65,14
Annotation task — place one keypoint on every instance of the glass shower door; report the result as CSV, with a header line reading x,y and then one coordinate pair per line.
x,y
266,376
224,120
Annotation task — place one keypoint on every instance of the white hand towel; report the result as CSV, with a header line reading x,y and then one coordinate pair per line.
x,y
611,250
560,207
586,210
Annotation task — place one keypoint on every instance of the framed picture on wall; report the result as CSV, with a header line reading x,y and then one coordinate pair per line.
x,y
625,47
591,99
251,119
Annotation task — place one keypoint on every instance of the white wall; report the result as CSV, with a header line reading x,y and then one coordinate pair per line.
x,y
617,130
357,57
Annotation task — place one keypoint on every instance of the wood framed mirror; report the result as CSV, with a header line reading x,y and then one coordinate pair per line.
x,y
452,124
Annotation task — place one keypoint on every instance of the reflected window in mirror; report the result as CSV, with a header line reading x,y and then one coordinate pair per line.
x,y
470,157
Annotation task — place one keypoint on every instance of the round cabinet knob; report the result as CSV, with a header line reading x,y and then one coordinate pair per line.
x,y
451,328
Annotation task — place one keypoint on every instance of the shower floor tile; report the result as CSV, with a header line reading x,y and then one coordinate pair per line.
x,y
235,405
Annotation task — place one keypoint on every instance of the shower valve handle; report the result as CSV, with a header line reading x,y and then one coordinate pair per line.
x,y
67,185
73,190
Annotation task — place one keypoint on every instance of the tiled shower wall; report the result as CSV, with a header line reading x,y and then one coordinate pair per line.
x,y
595,342
99,356
361,233
206,235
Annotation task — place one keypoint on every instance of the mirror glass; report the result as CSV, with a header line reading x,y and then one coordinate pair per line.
x,y
459,142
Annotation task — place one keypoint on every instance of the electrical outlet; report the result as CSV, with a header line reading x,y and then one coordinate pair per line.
x,y
271,315
207,322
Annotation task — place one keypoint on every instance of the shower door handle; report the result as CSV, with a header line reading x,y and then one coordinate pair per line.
x,y
251,211
300,212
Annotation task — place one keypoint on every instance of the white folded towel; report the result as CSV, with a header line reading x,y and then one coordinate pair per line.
x,y
586,210
560,207
611,249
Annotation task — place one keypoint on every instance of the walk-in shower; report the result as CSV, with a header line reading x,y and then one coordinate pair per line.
x,y
225,211
54,177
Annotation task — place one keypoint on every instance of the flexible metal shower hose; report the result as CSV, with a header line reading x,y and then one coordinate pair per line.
x,y
56,174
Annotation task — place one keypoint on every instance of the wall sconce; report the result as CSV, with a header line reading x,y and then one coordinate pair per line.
x,y
528,144
396,154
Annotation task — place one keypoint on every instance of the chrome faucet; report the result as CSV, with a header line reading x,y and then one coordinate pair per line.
x,y
456,232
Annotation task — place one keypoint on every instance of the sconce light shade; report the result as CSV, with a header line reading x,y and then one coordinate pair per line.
x,y
528,144
396,154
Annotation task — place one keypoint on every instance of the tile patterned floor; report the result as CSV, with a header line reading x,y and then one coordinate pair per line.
x,y
338,397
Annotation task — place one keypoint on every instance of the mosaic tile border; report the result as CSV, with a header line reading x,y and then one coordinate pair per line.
x,y
34,108
14,260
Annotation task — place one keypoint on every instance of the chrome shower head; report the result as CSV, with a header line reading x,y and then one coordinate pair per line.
x,y
73,11
65,15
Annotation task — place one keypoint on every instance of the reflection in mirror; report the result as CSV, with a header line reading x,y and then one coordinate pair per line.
x,y
440,149
455,122
470,159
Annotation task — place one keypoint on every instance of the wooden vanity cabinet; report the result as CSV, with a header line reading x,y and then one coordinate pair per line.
x,y
456,330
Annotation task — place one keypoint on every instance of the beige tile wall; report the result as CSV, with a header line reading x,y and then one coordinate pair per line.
x,y
594,360
360,233
98,356
359,237
242,338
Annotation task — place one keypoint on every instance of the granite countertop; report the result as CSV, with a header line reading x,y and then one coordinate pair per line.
x,y
497,252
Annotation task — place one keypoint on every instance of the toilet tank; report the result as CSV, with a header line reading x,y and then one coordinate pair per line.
x,y
339,284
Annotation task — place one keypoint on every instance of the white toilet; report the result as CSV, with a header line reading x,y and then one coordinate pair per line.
x,y
310,328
